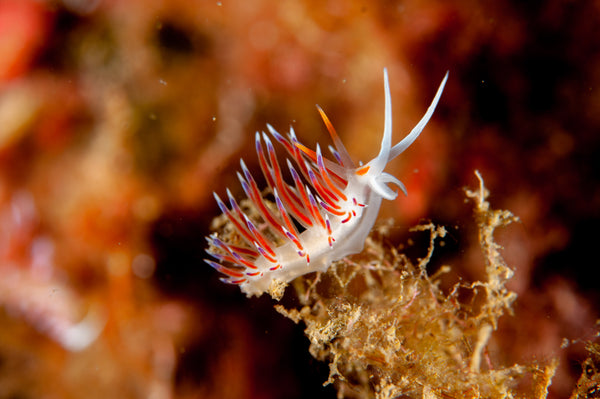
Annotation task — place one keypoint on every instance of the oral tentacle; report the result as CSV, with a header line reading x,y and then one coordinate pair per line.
x,y
416,131
378,164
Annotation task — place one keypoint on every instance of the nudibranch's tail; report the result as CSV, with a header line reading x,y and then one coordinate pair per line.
x,y
317,190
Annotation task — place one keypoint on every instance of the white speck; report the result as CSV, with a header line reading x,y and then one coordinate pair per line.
x,y
79,336
219,4
214,118
162,82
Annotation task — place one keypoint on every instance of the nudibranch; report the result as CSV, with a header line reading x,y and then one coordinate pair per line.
x,y
321,213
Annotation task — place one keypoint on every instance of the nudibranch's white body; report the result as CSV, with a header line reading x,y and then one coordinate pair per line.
x,y
336,203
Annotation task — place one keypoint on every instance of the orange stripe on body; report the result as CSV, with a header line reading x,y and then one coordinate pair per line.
x,y
363,170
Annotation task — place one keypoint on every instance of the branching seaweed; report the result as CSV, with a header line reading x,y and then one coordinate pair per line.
x,y
388,330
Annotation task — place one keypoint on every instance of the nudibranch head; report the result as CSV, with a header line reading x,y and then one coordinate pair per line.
x,y
322,212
